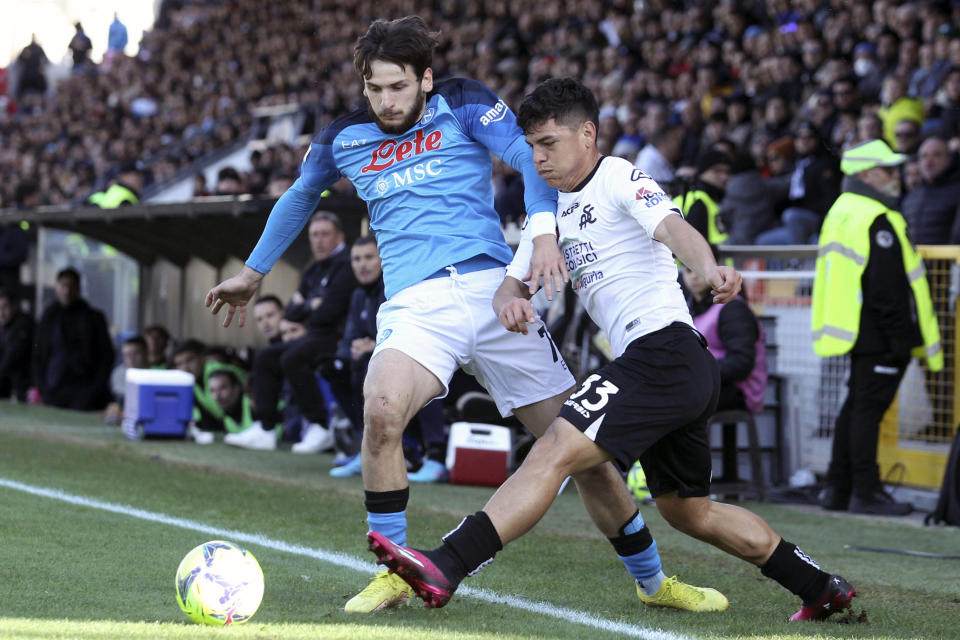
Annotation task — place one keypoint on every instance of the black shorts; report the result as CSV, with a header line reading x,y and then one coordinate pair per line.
x,y
652,404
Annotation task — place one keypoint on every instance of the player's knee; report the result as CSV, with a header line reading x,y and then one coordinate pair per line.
x,y
383,418
684,514
552,452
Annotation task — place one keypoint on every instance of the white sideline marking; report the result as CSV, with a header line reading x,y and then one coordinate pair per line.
x,y
346,561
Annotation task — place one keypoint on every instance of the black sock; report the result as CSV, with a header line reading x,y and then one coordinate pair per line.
x,y
387,501
796,571
467,549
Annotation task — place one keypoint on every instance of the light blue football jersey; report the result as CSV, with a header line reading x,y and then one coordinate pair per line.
x,y
428,191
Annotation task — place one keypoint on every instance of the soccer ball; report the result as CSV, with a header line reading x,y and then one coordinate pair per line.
x,y
219,583
637,481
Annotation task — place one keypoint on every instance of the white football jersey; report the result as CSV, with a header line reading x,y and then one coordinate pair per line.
x,y
626,279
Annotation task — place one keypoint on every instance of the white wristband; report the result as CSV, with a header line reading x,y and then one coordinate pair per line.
x,y
541,223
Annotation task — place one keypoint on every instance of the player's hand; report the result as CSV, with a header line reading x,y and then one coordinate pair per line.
x,y
725,283
360,347
515,315
234,292
547,262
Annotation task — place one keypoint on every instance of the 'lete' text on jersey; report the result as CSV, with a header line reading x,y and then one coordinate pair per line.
x,y
626,279
428,191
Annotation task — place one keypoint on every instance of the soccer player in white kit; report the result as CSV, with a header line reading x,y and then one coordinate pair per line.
x,y
618,231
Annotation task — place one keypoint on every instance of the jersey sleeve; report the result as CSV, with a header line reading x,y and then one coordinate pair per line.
x,y
488,120
639,196
291,212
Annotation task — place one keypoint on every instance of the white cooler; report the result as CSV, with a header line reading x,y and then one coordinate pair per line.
x,y
478,454
157,403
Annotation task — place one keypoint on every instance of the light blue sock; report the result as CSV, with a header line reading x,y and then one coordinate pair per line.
x,y
392,525
637,549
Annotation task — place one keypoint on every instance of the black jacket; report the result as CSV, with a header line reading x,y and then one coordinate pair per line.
x,y
16,348
362,318
888,318
73,356
931,208
821,182
332,281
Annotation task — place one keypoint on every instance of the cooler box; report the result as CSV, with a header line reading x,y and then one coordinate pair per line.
x,y
478,453
157,403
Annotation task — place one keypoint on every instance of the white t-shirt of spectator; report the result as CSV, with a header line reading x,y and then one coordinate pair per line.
x,y
626,279
655,164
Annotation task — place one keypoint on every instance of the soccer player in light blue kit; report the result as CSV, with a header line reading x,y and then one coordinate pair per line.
x,y
419,155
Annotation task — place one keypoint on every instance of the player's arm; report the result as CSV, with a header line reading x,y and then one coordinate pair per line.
x,y
692,250
287,219
489,121
511,302
640,197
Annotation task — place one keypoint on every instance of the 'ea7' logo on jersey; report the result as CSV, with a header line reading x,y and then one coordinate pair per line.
x,y
587,216
494,114
389,152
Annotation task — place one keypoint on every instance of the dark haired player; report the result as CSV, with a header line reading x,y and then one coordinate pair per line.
x,y
617,231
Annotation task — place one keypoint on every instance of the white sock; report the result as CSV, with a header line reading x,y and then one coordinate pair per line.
x,y
651,585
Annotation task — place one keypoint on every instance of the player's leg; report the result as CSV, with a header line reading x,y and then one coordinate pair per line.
x,y
748,536
609,503
605,496
517,505
396,387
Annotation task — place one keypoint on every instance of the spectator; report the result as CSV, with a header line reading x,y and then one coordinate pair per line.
x,y
931,208
880,334
226,389
268,314
14,249
813,186
700,204
124,190
659,156
906,133
200,185
80,48
73,355
229,182
33,75
116,39
947,109
897,106
324,294
869,127
16,347
747,202
735,339
134,356
158,339
189,356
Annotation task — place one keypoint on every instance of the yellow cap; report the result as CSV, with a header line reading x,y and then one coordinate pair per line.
x,y
870,154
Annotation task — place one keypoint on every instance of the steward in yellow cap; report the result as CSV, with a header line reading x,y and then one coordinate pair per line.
x,y
871,300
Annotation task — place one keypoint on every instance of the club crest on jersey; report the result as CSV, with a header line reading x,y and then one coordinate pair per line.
x,y
428,116
587,216
390,152
494,113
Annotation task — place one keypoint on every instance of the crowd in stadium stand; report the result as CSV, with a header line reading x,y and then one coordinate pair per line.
x,y
788,84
